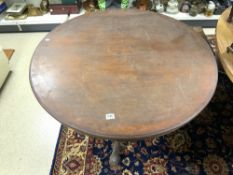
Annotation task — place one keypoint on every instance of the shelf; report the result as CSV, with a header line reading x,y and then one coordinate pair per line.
x,y
199,20
47,22
185,16
45,19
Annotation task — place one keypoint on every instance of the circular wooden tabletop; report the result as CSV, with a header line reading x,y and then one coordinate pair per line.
x,y
224,37
123,74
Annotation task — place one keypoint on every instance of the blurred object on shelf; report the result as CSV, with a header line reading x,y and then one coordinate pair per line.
x,y
16,9
219,8
132,3
34,11
64,6
201,7
153,2
2,6
120,4
210,8
63,9
104,4
64,2
193,11
143,4
13,17
185,6
164,2
221,5
44,6
69,2
172,7
90,5
157,6
229,19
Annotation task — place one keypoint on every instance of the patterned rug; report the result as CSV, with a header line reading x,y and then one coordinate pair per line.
x,y
202,147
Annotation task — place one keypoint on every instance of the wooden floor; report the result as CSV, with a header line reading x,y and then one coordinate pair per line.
x,y
224,36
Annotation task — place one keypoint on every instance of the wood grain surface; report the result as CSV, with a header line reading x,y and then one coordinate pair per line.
x,y
224,37
153,73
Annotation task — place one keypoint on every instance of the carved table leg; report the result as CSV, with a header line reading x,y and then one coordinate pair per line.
x,y
114,160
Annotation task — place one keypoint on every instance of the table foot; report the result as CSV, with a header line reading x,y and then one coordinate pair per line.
x,y
114,160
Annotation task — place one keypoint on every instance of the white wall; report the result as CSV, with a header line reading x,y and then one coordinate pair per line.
x,y
34,2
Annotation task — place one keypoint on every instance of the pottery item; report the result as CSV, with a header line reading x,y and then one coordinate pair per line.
x,y
193,11
210,8
44,6
185,6
172,7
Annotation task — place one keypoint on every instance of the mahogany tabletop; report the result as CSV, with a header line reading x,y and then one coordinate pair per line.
x,y
123,74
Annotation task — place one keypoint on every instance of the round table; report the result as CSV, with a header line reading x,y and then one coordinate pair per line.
x,y
123,74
